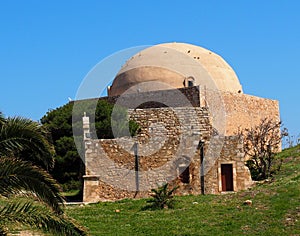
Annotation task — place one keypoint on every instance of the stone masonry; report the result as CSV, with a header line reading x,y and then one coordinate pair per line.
x,y
172,127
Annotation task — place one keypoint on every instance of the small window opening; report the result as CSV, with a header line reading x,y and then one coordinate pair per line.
x,y
184,177
190,83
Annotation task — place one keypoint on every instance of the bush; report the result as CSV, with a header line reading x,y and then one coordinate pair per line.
x,y
261,144
162,197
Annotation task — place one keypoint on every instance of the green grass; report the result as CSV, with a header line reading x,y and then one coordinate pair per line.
x,y
275,211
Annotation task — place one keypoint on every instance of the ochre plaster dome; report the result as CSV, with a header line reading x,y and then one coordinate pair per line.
x,y
175,64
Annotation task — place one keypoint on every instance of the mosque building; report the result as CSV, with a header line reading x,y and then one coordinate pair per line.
x,y
190,106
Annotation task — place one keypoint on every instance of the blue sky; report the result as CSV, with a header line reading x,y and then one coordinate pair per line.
x,y
48,47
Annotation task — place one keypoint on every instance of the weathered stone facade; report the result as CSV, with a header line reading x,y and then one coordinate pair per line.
x,y
192,95
96,189
241,111
232,153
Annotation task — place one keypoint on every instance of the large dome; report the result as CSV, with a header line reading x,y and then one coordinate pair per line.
x,y
177,65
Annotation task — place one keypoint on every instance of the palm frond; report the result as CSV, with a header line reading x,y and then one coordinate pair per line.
x,y
3,231
26,139
17,177
38,217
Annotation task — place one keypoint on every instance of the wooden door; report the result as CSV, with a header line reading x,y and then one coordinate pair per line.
x,y
227,177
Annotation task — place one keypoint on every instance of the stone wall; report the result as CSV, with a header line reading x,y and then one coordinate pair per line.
x,y
244,109
169,143
151,99
241,110
232,111
232,153
116,156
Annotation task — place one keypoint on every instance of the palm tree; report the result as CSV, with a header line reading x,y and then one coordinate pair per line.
x,y
27,140
28,194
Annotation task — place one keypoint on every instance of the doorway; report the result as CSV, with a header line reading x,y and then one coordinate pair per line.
x,y
227,177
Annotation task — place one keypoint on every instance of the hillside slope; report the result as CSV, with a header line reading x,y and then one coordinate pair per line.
x,y
275,210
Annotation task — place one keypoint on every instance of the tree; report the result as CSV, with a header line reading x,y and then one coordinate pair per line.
x,y
26,139
69,168
23,180
261,143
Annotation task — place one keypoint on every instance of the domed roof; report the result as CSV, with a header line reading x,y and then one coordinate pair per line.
x,y
175,64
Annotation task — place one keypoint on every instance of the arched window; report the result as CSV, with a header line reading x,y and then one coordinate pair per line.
x,y
189,81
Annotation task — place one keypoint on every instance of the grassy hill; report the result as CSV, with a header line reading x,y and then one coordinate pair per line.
x,y
275,210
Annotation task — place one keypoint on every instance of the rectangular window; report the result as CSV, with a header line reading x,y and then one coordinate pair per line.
x,y
185,174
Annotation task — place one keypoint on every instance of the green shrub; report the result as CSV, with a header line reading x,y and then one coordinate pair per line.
x,y
162,197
